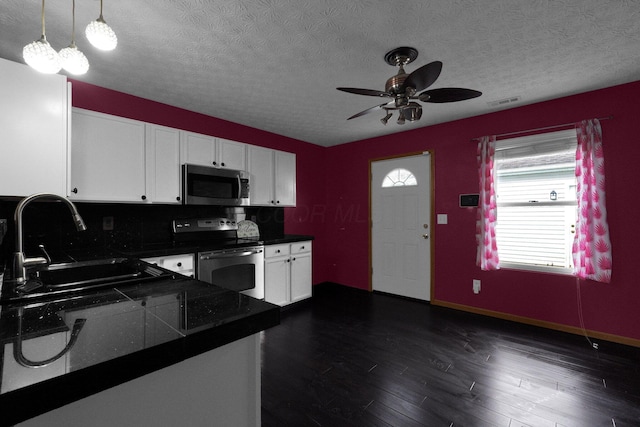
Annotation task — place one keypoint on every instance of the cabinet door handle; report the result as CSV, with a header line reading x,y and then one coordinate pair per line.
x,y
222,164
179,264
75,190
143,197
178,198
294,258
215,163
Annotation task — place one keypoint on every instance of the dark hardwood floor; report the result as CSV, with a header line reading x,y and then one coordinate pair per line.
x,y
352,358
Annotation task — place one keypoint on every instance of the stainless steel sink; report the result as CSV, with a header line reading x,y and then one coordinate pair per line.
x,y
60,278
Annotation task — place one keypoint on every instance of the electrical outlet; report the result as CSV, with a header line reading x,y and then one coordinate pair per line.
x,y
476,286
107,223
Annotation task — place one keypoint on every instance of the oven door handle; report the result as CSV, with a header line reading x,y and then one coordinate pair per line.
x,y
231,255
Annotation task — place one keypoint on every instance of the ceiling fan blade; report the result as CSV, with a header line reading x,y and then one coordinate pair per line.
x,y
369,92
448,94
423,77
370,110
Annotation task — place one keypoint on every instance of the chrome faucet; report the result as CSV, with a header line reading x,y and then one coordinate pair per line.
x,y
20,262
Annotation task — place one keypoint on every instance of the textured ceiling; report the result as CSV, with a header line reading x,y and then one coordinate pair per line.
x,y
275,64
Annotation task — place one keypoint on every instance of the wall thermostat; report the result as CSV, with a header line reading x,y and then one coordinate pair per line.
x,y
469,200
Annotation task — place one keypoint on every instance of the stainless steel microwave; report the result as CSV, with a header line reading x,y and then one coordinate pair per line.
x,y
206,185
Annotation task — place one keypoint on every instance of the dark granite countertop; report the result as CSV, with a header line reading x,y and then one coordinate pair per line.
x,y
177,248
121,334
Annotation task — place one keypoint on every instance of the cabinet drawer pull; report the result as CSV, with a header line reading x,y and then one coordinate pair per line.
x,y
179,264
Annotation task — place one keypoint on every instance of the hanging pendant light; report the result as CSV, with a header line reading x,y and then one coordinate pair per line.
x,y
73,60
40,55
100,34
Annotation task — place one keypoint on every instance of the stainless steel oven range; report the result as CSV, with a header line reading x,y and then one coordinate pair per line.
x,y
226,261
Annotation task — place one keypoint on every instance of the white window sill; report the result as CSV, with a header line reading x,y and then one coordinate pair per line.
x,y
536,268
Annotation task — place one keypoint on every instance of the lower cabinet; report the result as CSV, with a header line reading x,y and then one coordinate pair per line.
x,y
183,263
287,272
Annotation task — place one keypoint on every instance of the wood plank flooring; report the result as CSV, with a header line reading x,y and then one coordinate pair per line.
x,y
353,358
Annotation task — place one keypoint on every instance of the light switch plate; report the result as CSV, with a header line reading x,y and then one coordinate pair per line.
x,y
443,219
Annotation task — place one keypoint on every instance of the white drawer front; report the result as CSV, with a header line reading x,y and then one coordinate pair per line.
x,y
271,251
178,263
300,247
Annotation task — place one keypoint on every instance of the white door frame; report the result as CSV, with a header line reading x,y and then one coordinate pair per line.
x,y
431,215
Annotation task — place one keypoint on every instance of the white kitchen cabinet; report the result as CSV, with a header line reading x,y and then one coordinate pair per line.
x,y
162,164
287,272
182,263
197,149
285,178
301,287
273,177
231,154
35,117
260,165
207,150
107,158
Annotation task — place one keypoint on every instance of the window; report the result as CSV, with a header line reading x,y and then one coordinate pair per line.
x,y
399,178
536,201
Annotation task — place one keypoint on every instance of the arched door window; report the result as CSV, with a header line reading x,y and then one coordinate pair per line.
x,y
399,178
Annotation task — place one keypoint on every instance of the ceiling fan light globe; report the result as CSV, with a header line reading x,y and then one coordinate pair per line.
x,y
40,56
100,35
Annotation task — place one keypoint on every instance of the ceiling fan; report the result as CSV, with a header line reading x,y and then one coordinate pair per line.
x,y
403,88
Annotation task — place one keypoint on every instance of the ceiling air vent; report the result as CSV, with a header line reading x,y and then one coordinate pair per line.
x,y
505,101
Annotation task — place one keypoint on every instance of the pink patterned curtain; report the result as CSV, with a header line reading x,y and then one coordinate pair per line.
x,y
487,255
591,245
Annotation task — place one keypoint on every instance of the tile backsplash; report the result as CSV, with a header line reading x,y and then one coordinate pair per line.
x,y
116,226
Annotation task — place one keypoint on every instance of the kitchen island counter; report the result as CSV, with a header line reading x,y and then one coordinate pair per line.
x,y
110,337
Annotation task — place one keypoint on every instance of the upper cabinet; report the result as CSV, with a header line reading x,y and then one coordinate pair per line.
x,y
107,158
114,159
162,164
206,150
273,176
35,115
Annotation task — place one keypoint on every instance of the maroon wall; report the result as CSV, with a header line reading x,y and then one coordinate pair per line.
x,y
309,157
608,308
333,203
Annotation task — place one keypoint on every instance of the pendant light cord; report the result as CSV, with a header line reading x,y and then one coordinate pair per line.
x,y
42,18
73,22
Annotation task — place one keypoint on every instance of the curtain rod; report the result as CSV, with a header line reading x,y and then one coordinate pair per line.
x,y
540,129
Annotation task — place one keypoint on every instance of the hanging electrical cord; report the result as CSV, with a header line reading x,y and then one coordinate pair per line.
x,y
581,316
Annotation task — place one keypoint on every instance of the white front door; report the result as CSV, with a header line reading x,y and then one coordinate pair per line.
x,y
401,229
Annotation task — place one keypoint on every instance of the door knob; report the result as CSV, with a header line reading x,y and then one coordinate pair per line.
x,y
425,236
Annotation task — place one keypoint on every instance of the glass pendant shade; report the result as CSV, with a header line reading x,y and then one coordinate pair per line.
x,y
73,60
101,35
42,57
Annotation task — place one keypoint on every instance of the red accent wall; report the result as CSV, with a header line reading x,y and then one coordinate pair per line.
x,y
607,308
333,203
